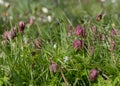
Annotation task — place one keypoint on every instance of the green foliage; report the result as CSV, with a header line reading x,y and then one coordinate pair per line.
x,y
19,67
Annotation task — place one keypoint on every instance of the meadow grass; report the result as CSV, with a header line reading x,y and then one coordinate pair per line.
x,y
45,54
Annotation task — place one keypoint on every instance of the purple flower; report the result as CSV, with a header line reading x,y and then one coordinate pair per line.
x,y
9,35
12,34
91,50
79,31
22,27
78,44
6,35
53,67
83,32
93,74
113,32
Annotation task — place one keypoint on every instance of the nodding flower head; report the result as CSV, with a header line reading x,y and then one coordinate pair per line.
x,y
12,34
78,44
93,74
9,35
6,35
79,31
53,67
22,27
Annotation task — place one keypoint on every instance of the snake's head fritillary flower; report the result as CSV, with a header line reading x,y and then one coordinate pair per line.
x,y
6,35
53,67
78,44
79,31
93,74
22,27
9,35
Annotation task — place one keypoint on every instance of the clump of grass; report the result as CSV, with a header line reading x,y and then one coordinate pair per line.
x,y
60,43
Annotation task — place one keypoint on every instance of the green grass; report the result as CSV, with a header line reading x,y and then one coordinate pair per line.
x,y
18,67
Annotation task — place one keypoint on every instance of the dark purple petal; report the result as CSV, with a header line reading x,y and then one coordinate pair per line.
x,y
78,30
83,32
78,44
22,27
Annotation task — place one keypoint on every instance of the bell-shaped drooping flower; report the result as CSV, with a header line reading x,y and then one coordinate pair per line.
x,y
9,35
91,50
37,43
83,32
53,67
12,34
78,44
22,27
6,35
93,74
79,31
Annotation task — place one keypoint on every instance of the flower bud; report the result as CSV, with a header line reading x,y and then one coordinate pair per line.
x,y
78,30
22,27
